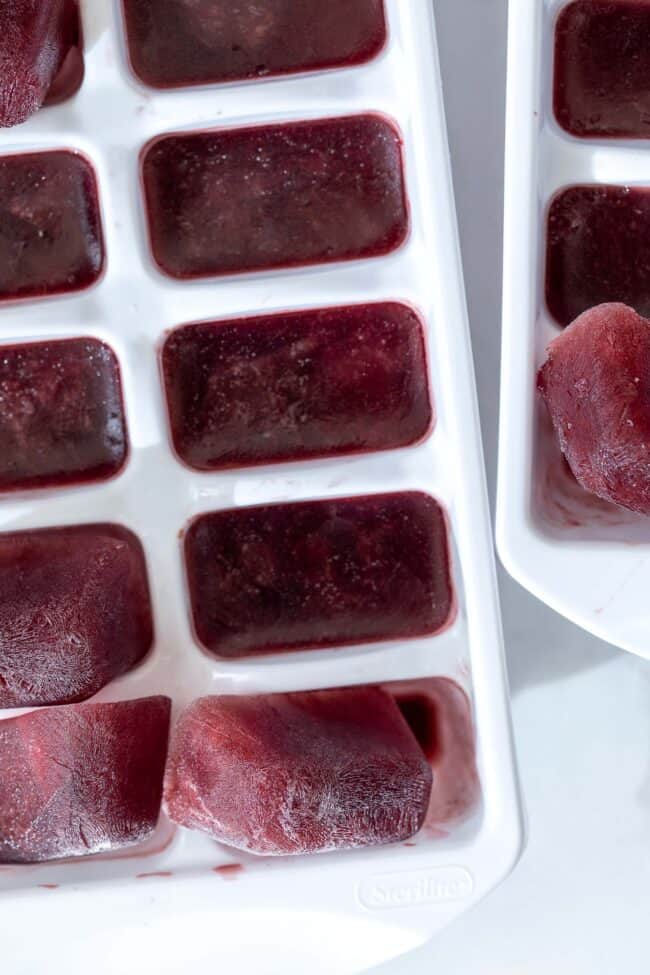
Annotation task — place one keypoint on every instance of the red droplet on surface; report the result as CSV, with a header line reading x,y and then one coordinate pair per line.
x,y
61,414
275,196
35,41
319,574
82,779
74,612
193,42
596,385
297,385
298,773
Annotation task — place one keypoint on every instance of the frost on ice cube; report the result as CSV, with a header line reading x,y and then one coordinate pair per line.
x,y
37,40
298,773
81,779
74,612
275,196
596,385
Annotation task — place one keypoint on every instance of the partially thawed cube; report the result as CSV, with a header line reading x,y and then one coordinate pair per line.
x,y
74,612
81,779
298,773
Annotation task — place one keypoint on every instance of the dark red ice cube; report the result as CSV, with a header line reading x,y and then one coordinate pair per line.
x,y
596,385
272,196
74,612
193,42
298,773
602,69
81,779
50,226
36,39
61,414
294,386
319,574
598,250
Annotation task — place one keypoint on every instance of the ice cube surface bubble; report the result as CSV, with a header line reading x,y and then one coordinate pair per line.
x,y
295,386
81,779
274,196
61,414
188,42
36,37
596,385
319,574
51,239
74,612
298,773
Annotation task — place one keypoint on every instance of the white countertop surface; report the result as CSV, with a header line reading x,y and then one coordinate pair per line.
x,y
578,902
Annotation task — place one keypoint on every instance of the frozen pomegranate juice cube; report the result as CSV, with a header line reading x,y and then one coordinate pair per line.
x,y
298,773
294,386
596,385
50,227
36,40
318,573
81,779
598,250
274,196
74,612
602,69
185,42
61,414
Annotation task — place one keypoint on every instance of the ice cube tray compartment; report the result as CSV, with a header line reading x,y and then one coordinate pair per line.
x,y
584,557
134,307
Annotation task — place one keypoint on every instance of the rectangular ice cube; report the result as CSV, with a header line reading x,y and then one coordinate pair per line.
x,y
274,196
74,612
61,414
50,226
319,574
602,67
296,385
298,773
598,249
195,42
81,779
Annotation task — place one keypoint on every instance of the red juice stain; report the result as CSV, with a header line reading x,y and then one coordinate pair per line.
x,y
229,871
154,873
49,886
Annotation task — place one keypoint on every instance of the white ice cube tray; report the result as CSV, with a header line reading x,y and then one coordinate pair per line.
x,y
586,558
132,307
